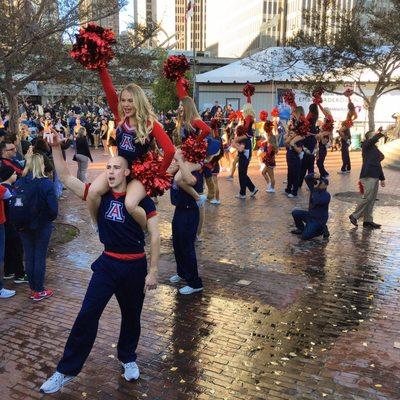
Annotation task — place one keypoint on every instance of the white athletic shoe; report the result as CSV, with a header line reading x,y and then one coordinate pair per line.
x,y
291,196
240,196
55,382
270,190
215,201
189,290
131,371
254,192
175,279
5,293
202,200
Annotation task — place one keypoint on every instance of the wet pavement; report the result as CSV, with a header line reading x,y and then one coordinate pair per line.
x,y
278,319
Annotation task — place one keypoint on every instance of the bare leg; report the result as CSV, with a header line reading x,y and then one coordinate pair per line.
x,y
210,188
105,148
265,174
113,151
270,172
98,188
216,187
136,192
234,164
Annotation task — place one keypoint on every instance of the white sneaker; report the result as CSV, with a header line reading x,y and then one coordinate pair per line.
x,y
5,293
202,200
240,196
215,201
131,371
55,382
189,290
291,196
270,190
254,192
175,279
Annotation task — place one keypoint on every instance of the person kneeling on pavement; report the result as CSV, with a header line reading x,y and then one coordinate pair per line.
x,y
312,223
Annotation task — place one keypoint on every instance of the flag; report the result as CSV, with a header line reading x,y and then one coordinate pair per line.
x,y
189,9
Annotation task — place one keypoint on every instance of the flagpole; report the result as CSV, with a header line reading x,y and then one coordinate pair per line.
x,y
194,57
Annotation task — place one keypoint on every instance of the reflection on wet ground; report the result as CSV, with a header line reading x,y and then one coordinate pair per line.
x,y
279,319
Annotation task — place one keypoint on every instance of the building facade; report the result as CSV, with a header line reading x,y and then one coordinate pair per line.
x,y
93,11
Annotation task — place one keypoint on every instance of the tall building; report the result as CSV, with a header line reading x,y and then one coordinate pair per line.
x,y
94,11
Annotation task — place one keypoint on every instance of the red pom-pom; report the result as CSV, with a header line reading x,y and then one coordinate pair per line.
x,y
303,126
175,67
248,90
317,96
239,115
147,171
263,115
268,126
289,98
328,124
348,92
93,47
275,112
193,150
232,116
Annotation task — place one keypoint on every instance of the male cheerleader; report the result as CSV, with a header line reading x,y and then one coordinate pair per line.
x,y
121,270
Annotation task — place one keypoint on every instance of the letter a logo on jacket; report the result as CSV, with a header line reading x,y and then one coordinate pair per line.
x,y
127,143
115,212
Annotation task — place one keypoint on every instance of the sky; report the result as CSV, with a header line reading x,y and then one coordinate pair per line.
x,y
126,15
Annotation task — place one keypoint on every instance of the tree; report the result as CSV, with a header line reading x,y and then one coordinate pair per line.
x,y
164,92
36,37
357,46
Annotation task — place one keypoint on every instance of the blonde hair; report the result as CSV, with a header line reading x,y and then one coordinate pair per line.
x,y
189,112
248,110
35,166
144,114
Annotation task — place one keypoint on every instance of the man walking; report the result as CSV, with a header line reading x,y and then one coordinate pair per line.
x,y
121,270
371,174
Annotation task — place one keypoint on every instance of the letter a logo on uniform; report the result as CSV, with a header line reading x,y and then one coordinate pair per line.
x,y
127,143
115,213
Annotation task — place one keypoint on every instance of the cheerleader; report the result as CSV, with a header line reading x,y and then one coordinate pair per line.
x,y
270,150
244,146
137,125
215,169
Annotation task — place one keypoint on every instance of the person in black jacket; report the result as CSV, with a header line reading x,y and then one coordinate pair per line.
x,y
371,174
312,223
82,155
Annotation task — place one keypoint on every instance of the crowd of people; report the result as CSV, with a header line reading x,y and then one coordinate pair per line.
x,y
145,151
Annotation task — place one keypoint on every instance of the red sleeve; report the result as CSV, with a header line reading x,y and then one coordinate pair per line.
x,y
165,143
2,191
248,122
111,94
204,128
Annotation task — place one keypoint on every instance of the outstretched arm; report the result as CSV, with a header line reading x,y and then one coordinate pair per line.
x,y
70,181
163,141
203,127
111,94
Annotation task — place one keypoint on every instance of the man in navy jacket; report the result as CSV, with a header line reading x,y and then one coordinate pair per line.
x,y
312,223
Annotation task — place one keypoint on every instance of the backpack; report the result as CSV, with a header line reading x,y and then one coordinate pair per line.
x,y
24,205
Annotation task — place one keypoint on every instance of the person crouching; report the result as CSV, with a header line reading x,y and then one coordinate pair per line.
x,y
312,223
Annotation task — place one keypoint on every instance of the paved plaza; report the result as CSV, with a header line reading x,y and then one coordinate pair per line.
x,y
278,319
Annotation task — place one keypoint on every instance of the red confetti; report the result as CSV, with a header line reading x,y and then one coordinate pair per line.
x,y
147,171
93,47
263,115
175,67
193,150
275,112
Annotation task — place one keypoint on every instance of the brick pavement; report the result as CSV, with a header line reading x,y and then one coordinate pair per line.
x,y
318,320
